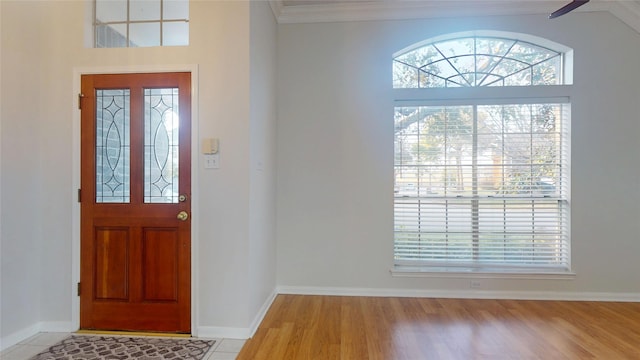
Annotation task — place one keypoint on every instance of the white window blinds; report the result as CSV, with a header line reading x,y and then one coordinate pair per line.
x,y
482,186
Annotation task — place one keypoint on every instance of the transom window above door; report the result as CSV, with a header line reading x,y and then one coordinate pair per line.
x,y
140,23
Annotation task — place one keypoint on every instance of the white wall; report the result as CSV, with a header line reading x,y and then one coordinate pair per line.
x,y
224,193
22,175
262,158
42,49
335,156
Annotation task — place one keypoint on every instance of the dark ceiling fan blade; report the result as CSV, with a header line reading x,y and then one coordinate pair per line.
x,y
567,8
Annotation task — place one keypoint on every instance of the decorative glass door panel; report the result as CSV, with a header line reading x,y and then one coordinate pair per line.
x,y
161,145
112,146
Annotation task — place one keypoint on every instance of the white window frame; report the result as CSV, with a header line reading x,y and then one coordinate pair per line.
x,y
128,22
494,96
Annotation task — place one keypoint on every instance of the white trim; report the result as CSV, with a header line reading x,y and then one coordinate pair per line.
x,y
221,332
627,11
18,336
195,196
452,274
75,205
480,33
45,326
56,326
462,294
75,208
506,94
261,313
276,7
404,10
238,333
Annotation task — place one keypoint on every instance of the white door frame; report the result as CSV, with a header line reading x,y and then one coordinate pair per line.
x,y
75,208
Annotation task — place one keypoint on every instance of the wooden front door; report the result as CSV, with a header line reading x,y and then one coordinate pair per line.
x,y
135,202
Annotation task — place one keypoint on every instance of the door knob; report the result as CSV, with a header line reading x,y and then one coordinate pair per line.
x,y
183,215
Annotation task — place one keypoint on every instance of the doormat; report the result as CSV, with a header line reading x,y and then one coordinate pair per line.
x,y
90,347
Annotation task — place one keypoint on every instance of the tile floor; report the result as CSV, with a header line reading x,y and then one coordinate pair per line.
x,y
223,349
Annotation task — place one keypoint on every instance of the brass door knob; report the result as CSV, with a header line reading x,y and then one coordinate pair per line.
x,y
183,215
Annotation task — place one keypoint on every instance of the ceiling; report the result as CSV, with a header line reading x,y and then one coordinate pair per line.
x,y
309,11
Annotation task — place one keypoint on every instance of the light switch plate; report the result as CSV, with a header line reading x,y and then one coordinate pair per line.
x,y
211,161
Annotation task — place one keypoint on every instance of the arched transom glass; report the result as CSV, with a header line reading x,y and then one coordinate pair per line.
x,y
473,61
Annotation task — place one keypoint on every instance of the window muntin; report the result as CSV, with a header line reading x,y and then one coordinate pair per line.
x,y
482,182
474,61
141,23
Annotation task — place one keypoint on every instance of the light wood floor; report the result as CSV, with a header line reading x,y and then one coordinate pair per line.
x,y
332,327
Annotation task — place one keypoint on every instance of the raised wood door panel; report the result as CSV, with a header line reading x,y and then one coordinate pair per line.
x,y
135,179
111,252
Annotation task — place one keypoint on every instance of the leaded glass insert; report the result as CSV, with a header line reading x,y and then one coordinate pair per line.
x,y
112,146
161,128
474,61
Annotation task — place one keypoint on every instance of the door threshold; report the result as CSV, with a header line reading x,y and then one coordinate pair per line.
x,y
132,333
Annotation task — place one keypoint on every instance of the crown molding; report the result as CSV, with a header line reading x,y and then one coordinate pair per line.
x,y
276,7
626,10
402,10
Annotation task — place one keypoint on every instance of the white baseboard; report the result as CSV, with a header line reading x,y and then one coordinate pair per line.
x,y
262,312
44,326
57,326
238,333
221,332
18,336
462,294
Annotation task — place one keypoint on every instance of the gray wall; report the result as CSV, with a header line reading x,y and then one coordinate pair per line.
x,y
335,157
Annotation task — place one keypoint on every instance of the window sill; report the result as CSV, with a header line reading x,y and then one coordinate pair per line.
x,y
466,273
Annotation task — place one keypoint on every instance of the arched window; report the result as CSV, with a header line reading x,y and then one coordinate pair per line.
x,y
482,176
473,60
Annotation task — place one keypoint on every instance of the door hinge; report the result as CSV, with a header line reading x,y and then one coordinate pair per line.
x,y
80,97
79,195
79,289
